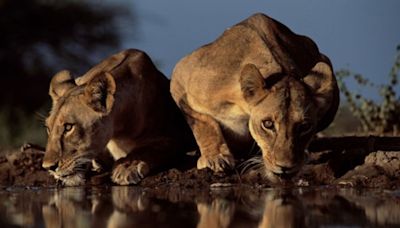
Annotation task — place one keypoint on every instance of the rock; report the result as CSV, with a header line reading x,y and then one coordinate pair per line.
x,y
380,170
388,161
366,175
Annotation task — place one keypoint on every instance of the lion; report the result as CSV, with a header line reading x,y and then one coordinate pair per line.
x,y
257,83
121,106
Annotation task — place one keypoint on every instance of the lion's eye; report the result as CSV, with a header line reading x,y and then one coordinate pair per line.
x,y
305,128
68,127
268,125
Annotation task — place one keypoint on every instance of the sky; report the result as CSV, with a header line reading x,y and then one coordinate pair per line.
x,y
360,35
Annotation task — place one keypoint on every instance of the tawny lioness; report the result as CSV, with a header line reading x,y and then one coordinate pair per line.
x,y
258,82
123,105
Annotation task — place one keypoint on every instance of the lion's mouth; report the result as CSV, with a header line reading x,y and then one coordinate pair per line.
x,y
70,179
76,177
278,175
285,176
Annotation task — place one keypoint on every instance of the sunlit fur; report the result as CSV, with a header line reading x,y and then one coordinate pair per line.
x,y
287,104
73,171
121,106
256,165
258,70
72,151
252,164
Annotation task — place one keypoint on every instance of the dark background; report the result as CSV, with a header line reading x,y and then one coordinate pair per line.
x,y
39,38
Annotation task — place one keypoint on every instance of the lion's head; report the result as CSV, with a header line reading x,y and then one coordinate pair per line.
x,y
285,113
78,125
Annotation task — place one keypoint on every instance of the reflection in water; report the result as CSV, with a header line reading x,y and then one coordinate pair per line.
x,y
130,207
217,214
282,210
67,209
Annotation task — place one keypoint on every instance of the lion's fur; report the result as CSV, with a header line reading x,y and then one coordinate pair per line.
x,y
256,70
123,104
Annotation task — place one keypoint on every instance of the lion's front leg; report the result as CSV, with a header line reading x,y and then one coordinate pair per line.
x,y
214,151
153,155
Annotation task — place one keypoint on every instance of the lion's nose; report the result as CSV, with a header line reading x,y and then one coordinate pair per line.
x,y
50,166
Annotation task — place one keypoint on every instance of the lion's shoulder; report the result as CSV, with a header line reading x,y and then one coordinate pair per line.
x,y
132,61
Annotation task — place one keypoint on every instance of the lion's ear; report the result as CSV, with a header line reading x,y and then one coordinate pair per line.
x,y
99,93
60,83
322,82
251,83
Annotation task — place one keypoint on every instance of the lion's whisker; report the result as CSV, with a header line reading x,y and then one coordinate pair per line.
x,y
254,163
253,152
40,116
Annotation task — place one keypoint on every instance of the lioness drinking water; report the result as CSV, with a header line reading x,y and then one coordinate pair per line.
x,y
258,82
121,105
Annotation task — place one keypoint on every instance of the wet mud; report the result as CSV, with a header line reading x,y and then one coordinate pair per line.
x,y
350,188
347,168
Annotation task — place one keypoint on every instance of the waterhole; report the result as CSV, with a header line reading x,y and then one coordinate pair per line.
x,y
219,207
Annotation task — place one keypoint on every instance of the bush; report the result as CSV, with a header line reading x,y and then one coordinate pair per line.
x,y
381,117
18,127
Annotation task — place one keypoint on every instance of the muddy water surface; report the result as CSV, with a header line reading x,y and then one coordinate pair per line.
x,y
221,207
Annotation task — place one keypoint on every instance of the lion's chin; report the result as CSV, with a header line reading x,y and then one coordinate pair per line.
x,y
74,180
77,179
279,179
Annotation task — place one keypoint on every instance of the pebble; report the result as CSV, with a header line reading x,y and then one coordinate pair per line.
x,y
221,185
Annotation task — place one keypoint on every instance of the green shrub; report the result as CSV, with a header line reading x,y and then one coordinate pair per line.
x,y
18,127
382,117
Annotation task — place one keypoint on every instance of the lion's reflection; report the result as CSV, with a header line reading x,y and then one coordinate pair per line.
x,y
130,207
273,209
68,208
217,214
282,210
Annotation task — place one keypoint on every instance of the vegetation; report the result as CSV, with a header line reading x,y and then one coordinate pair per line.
x,y
39,38
18,127
379,117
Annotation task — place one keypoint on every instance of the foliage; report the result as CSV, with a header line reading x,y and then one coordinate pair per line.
x,y
40,37
382,117
22,128
345,123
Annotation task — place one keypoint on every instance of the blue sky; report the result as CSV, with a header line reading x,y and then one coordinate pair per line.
x,y
360,35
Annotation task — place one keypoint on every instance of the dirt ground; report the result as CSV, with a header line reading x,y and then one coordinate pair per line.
x,y
347,168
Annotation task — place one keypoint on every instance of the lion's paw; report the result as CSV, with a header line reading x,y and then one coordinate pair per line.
x,y
130,172
217,163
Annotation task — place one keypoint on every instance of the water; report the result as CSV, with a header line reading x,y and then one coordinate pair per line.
x,y
134,207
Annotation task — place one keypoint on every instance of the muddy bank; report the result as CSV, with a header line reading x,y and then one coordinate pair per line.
x,y
353,168
23,168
